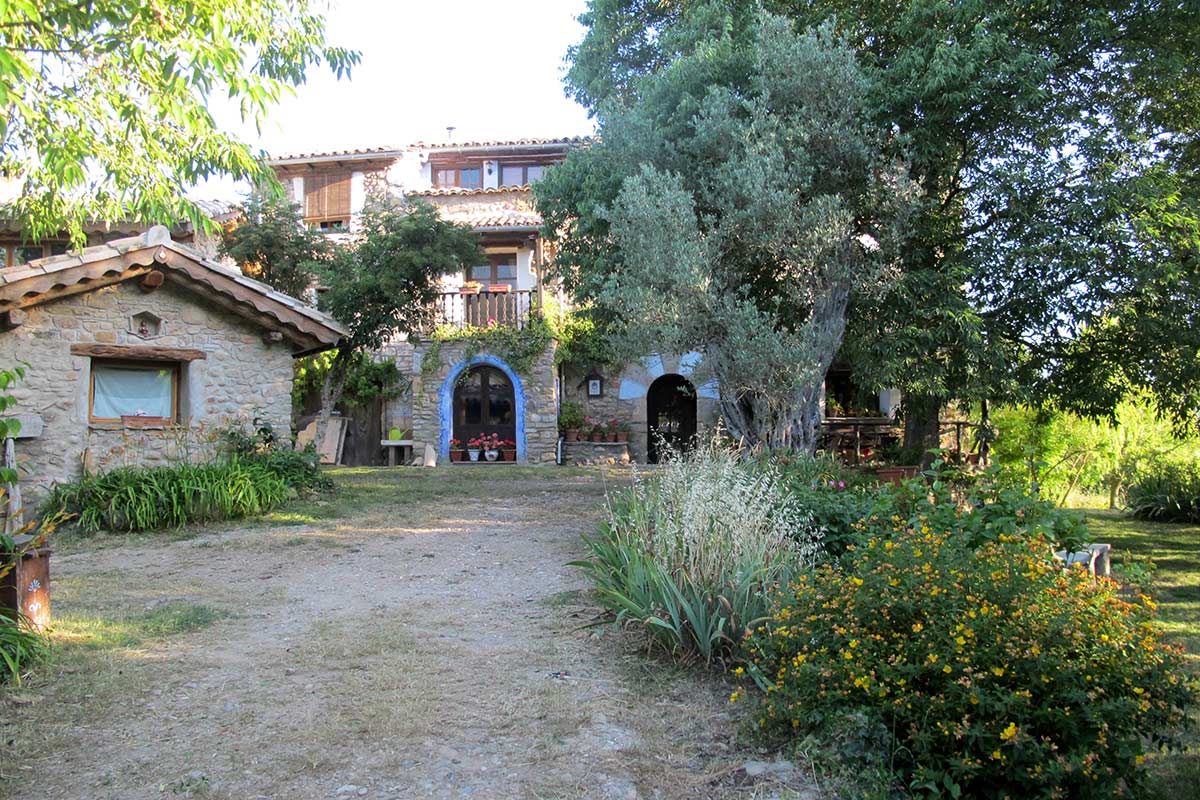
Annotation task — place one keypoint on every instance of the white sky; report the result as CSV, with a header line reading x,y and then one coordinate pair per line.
x,y
491,68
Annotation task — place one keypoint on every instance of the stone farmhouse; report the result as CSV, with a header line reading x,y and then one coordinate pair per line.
x,y
458,393
137,346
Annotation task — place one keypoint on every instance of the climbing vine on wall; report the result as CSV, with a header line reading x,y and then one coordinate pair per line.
x,y
519,347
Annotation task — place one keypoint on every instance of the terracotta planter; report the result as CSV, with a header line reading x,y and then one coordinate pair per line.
x,y
25,588
457,455
508,454
597,437
612,436
571,435
896,475
622,436
145,422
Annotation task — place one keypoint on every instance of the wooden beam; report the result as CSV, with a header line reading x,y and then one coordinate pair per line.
x,y
152,281
138,352
13,318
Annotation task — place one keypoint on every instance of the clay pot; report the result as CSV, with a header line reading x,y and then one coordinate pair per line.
x,y
572,436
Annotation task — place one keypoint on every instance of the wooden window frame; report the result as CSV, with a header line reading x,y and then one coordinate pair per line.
x,y
456,181
494,276
521,165
321,215
174,366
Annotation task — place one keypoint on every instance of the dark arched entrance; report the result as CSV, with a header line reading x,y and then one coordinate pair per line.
x,y
671,415
484,403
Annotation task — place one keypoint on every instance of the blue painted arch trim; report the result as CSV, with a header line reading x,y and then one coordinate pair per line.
x,y
446,401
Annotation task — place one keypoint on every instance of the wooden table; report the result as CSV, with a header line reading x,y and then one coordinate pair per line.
x,y
393,444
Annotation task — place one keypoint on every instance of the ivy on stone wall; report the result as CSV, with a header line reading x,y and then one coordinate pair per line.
x,y
519,347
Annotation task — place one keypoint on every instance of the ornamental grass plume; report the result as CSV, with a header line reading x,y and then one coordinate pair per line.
x,y
691,554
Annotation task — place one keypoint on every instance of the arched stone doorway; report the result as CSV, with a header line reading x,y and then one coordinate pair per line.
x,y
484,402
670,415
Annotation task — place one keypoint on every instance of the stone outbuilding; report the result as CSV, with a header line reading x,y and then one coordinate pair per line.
x,y
137,351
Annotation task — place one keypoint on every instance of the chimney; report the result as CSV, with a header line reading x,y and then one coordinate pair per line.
x,y
449,133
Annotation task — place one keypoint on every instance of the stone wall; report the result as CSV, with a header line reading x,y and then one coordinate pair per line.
x,y
624,397
541,403
242,377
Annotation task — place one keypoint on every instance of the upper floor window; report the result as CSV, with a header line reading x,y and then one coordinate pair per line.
x,y
13,254
520,174
327,201
464,178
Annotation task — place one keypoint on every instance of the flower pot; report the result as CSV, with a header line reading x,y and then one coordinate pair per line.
x,y
612,436
457,455
491,455
508,454
572,436
896,475
622,436
473,454
597,437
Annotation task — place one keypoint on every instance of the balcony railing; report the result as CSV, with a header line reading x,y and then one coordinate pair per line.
x,y
484,309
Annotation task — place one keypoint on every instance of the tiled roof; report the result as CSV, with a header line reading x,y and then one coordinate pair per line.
x,y
41,276
378,152
532,142
493,217
454,191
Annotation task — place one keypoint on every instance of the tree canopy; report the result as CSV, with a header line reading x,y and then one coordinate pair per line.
x,y
106,105
732,207
274,245
1054,252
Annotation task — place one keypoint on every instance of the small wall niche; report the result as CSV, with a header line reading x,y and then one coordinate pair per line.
x,y
146,325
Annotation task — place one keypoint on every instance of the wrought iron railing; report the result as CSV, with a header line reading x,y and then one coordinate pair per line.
x,y
484,308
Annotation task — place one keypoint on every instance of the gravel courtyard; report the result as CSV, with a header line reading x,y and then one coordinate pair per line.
x,y
418,635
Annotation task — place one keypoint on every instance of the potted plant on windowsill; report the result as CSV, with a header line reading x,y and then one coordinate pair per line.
x,y
457,451
611,429
508,450
474,446
470,287
570,420
491,446
623,429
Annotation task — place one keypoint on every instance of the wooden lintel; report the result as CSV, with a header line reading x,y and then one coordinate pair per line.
x,y
152,281
13,318
138,352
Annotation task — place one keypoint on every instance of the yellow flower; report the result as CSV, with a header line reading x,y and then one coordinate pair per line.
x,y
946,668
996,754
737,695
739,671
1009,733
998,671
1140,760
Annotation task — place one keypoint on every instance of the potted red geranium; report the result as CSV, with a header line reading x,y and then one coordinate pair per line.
x,y
508,450
457,451
623,429
475,446
612,428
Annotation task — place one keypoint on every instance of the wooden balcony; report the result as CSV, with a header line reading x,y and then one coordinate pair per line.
x,y
484,309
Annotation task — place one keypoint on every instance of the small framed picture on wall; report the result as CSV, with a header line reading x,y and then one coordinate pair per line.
x,y
595,387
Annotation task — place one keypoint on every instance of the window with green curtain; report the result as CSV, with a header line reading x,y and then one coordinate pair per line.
x,y
133,390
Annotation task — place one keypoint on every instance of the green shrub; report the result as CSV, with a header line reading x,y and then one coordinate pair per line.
x,y
148,498
691,555
1170,494
20,646
994,672
974,508
299,469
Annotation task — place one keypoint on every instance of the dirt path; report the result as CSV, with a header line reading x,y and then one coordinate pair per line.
x,y
432,651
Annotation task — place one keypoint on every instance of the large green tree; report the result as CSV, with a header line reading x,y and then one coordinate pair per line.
x,y
384,283
733,208
274,245
106,104
1053,256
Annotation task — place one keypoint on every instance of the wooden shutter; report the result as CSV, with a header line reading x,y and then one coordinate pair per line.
x,y
327,196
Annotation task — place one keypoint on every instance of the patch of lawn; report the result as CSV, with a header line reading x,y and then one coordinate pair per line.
x,y
1175,552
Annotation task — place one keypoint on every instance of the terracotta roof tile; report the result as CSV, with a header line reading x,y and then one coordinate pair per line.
x,y
454,191
493,218
367,152
532,142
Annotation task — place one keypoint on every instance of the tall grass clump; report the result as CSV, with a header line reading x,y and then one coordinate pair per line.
x,y
1171,493
150,498
691,554
20,646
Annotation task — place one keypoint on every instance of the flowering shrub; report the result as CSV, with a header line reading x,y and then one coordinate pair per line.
x,y
974,508
691,555
995,672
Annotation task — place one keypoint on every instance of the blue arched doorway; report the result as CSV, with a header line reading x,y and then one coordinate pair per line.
x,y
482,394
